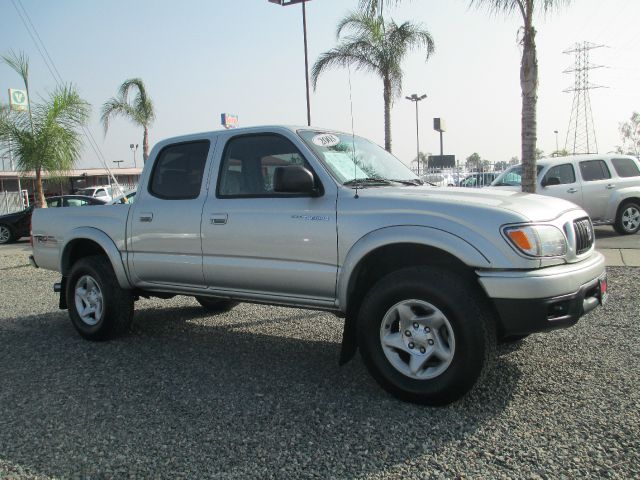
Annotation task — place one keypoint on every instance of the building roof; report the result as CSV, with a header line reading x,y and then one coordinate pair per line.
x,y
78,172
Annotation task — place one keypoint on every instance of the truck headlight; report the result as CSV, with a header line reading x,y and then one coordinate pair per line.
x,y
537,240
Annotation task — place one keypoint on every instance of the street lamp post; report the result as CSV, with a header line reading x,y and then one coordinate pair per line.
x,y
134,148
557,150
415,98
286,3
118,162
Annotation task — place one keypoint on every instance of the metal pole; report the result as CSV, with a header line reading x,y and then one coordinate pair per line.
x,y
417,139
441,149
306,61
557,149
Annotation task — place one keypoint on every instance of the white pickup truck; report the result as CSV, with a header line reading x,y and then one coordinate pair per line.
x,y
428,279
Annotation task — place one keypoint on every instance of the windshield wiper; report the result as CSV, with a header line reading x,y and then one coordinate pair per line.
x,y
414,183
366,181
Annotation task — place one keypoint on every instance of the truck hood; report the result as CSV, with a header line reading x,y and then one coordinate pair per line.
x,y
529,206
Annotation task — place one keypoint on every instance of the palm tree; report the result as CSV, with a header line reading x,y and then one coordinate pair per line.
x,y
376,47
528,75
46,137
140,111
373,7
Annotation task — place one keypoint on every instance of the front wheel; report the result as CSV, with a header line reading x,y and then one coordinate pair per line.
x,y
628,219
6,234
98,307
426,335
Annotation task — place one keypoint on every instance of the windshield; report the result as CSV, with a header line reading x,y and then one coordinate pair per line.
x,y
512,177
355,161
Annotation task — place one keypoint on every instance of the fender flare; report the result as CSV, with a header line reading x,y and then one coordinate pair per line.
x,y
421,235
105,242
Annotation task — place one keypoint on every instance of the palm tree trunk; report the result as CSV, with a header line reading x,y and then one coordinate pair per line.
x,y
39,191
145,145
387,114
529,86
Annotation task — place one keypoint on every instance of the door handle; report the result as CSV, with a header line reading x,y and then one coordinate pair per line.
x,y
572,190
146,217
218,218
611,186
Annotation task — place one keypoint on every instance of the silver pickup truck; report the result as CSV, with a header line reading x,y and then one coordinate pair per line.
x,y
428,279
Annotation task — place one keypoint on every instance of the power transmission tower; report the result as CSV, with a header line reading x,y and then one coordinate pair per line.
x,y
581,134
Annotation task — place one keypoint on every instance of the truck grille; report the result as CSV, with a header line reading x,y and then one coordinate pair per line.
x,y
584,234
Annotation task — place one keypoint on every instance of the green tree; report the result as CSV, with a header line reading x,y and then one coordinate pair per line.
x,y
474,161
377,47
500,166
514,160
539,153
630,134
140,111
46,137
528,74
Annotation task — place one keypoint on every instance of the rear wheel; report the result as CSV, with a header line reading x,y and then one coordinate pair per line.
x,y
6,234
216,305
98,307
628,218
426,335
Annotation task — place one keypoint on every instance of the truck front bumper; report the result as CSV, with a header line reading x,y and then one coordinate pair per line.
x,y
539,300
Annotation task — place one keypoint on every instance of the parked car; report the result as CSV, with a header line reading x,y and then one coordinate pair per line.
x,y
17,225
102,192
606,186
427,279
478,179
73,201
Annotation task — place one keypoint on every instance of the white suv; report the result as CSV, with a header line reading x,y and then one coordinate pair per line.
x,y
606,186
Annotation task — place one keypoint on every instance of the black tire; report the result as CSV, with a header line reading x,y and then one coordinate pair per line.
x,y
7,234
116,306
621,225
468,314
216,305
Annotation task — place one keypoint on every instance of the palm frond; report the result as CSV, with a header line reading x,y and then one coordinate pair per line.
x,y
19,63
115,107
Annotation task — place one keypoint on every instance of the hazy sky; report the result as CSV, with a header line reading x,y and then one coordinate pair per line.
x,y
201,58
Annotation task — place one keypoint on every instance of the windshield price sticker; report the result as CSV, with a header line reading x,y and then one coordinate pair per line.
x,y
326,140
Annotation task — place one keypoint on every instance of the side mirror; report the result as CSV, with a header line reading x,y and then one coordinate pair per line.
x,y
293,179
550,181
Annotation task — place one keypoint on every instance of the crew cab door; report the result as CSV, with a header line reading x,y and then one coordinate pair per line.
x,y
260,242
164,244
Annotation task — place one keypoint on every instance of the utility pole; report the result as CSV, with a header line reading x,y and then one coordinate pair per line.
x,y
581,134
415,98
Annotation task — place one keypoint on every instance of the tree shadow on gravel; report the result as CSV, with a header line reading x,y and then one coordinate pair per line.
x,y
179,398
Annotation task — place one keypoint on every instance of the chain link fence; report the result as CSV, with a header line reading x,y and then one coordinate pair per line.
x,y
461,176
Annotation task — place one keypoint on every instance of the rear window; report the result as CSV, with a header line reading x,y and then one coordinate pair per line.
x,y
177,173
625,167
592,170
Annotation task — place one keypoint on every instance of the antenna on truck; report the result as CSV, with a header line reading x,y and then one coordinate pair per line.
x,y
353,137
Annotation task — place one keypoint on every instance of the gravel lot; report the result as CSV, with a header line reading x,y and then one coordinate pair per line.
x,y
257,393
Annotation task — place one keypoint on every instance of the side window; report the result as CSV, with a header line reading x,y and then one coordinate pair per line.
x,y
54,203
564,172
249,163
592,170
177,173
76,202
625,167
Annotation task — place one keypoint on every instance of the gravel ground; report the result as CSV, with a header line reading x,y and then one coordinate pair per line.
x,y
257,393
